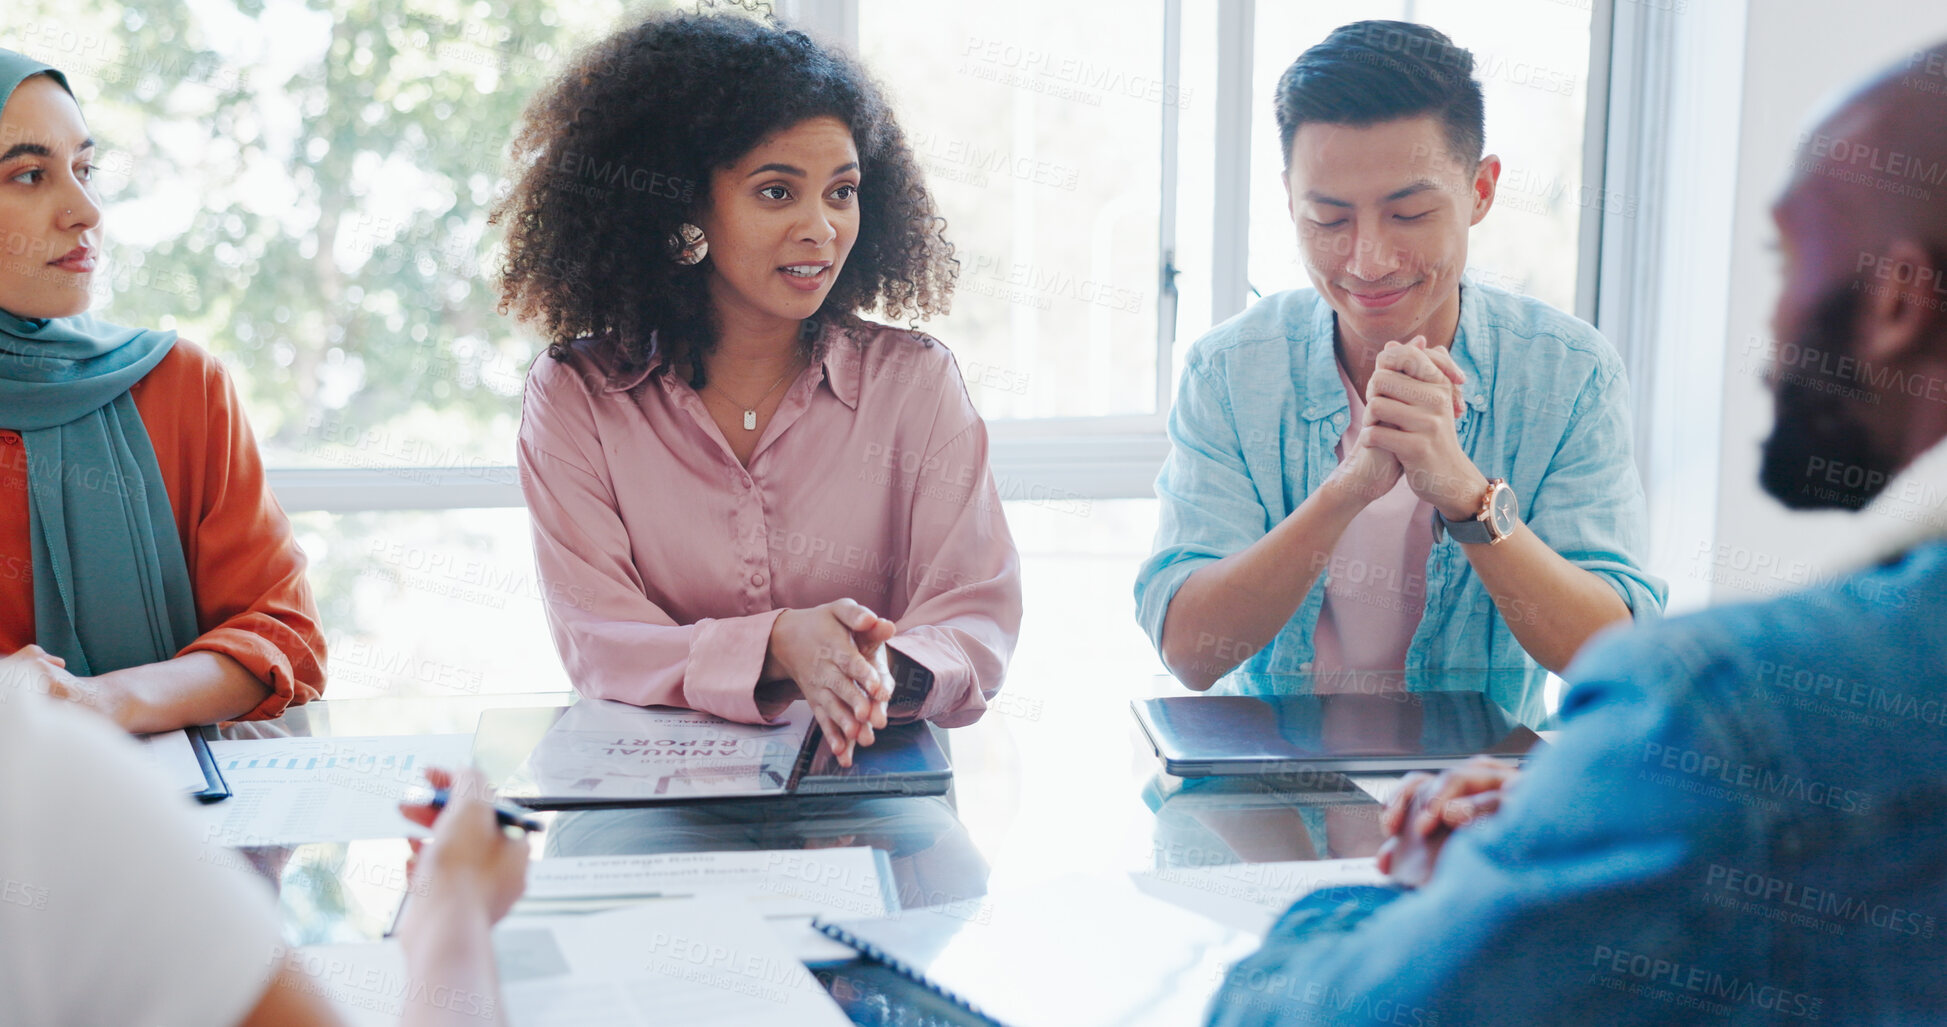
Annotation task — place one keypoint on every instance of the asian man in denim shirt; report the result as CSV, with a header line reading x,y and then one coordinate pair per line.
x,y
1745,817
1397,467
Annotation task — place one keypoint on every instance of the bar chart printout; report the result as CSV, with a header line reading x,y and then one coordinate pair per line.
x,y
290,791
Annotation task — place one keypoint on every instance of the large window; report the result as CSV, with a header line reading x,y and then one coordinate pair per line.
x,y
1040,129
304,192
302,188
1086,153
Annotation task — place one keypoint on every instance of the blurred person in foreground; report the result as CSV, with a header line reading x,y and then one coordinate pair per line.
x,y
117,910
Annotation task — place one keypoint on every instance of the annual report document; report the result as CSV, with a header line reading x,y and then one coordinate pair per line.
x,y
595,753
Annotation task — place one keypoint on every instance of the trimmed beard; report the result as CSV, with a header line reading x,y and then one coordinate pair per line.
x,y
1815,431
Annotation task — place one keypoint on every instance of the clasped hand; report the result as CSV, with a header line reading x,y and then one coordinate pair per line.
x,y
1412,403
835,656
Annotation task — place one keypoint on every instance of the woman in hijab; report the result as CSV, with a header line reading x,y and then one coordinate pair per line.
x,y
145,569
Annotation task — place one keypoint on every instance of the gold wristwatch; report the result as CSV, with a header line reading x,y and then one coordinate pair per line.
x,y
1500,515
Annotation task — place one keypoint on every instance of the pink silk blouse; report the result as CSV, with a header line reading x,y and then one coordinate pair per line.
x,y
665,562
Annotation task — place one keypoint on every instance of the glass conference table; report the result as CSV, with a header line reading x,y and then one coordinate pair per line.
x,y
1044,787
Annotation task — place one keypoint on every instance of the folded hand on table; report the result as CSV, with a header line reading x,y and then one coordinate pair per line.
x,y
834,656
1427,810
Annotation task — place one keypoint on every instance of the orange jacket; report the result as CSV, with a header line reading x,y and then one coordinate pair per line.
x,y
252,603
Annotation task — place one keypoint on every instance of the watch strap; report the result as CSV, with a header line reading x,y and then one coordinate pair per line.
x,y
1470,530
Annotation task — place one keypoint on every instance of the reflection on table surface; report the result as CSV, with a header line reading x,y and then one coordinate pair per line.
x,y
934,859
1057,781
1264,819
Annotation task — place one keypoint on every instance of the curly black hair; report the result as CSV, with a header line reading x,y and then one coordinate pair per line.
x,y
616,153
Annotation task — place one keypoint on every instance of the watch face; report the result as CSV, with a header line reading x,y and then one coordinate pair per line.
x,y
1507,510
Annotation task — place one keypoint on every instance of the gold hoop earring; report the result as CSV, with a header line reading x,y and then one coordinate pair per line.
x,y
687,245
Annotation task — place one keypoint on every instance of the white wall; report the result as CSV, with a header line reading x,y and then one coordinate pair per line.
x,y
1798,55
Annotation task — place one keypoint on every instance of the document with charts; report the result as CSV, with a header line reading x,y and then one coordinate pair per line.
x,y
596,753
294,790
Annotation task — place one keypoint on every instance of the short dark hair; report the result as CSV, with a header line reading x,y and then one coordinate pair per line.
x,y
618,151
1374,71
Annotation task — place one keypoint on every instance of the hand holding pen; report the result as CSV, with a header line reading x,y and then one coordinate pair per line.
x,y
470,862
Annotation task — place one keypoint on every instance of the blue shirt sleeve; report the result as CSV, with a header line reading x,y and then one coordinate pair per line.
x,y
1583,893
1209,506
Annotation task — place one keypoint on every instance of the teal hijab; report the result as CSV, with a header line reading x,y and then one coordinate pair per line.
x,y
111,587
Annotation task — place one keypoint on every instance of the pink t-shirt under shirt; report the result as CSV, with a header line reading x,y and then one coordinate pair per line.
x,y
1375,591
665,562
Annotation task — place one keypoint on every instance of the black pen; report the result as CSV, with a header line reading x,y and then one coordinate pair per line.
x,y
507,816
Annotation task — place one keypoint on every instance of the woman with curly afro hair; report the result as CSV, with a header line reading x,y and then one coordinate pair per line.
x,y
743,492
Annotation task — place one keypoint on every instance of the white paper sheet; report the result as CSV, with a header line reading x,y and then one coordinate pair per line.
x,y
175,760
1251,896
787,886
1381,787
838,882
289,791
689,961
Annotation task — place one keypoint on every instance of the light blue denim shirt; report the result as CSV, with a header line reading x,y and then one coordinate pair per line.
x,y
1260,410
1744,820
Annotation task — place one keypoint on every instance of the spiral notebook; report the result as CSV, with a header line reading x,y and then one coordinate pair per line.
x,y
1079,951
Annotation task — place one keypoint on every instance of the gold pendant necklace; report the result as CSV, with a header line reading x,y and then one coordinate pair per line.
x,y
750,409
